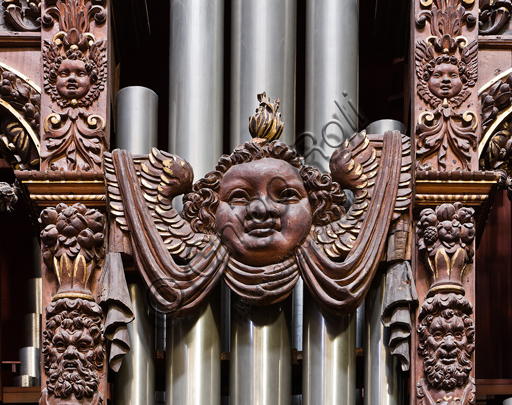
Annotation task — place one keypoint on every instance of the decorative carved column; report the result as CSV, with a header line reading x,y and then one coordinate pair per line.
x,y
74,101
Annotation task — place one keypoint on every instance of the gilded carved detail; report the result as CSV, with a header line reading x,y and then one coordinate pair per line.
x,y
74,74
445,329
23,17
446,70
261,218
72,239
494,15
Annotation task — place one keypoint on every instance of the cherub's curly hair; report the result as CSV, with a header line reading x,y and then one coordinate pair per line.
x,y
446,59
325,196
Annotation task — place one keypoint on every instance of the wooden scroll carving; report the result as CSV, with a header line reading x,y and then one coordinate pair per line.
x,y
446,71
73,348
261,218
23,17
446,333
20,102
74,74
494,15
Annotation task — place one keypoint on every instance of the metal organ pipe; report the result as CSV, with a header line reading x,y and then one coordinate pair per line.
x,y
329,344
262,60
195,134
137,130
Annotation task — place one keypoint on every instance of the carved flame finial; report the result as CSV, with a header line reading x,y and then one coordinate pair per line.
x,y
266,123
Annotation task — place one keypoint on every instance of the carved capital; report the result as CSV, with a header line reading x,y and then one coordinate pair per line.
x,y
445,239
72,245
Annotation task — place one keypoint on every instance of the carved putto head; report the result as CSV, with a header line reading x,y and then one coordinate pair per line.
x,y
445,77
446,340
73,348
261,200
74,75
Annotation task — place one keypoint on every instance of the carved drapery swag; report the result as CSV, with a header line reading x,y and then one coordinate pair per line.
x,y
73,348
74,74
446,331
261,218
446,70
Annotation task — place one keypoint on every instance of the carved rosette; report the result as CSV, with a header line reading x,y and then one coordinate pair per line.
x,y
74,74
446,73
446,333
72,239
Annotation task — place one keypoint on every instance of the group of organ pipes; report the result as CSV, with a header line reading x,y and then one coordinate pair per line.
x,y
260,257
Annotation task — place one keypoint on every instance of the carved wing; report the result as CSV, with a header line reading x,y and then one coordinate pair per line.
x,y
377,171
469,58
355,166
423,55
158,175
176,289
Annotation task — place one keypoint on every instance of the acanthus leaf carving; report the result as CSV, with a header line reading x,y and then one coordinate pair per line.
x,y
17,14
74,140
72,14
493,16
442,130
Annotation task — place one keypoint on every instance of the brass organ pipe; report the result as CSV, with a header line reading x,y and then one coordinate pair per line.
x,y
329,344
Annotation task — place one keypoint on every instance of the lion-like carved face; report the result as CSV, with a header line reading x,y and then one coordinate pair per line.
x,y
264,211
73,350
447,347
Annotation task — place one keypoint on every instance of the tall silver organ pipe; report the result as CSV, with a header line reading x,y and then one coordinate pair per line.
x,y
137,131
263,59
136,378
260,362
380,369
196,82
332,29
195,134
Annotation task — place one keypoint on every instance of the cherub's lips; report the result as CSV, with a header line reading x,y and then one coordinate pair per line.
x,y
72,86
262,229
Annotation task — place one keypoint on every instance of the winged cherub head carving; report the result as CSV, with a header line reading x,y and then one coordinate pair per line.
x,y
445,78
261,201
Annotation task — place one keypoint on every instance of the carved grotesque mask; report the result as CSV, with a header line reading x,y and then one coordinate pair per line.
x,y
445,81
73,80
264,211
447,347
73,351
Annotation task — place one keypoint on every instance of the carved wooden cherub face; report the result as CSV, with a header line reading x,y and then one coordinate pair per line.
x,y
445,81
73,80
264,211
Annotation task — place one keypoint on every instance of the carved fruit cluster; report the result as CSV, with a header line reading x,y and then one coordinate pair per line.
x,y
451,225
71,231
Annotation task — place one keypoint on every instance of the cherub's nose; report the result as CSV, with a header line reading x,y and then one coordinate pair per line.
x,y
260,209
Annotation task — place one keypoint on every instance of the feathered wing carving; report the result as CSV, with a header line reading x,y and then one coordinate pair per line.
x,y
141,203
470,63
338,261
423,55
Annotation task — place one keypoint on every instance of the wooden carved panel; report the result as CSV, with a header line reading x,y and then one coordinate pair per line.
x,y
73,348
261,218
74,76
445,326
445,106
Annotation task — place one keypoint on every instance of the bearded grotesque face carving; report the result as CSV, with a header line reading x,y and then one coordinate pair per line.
x,y
264,211
73,351
447,342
